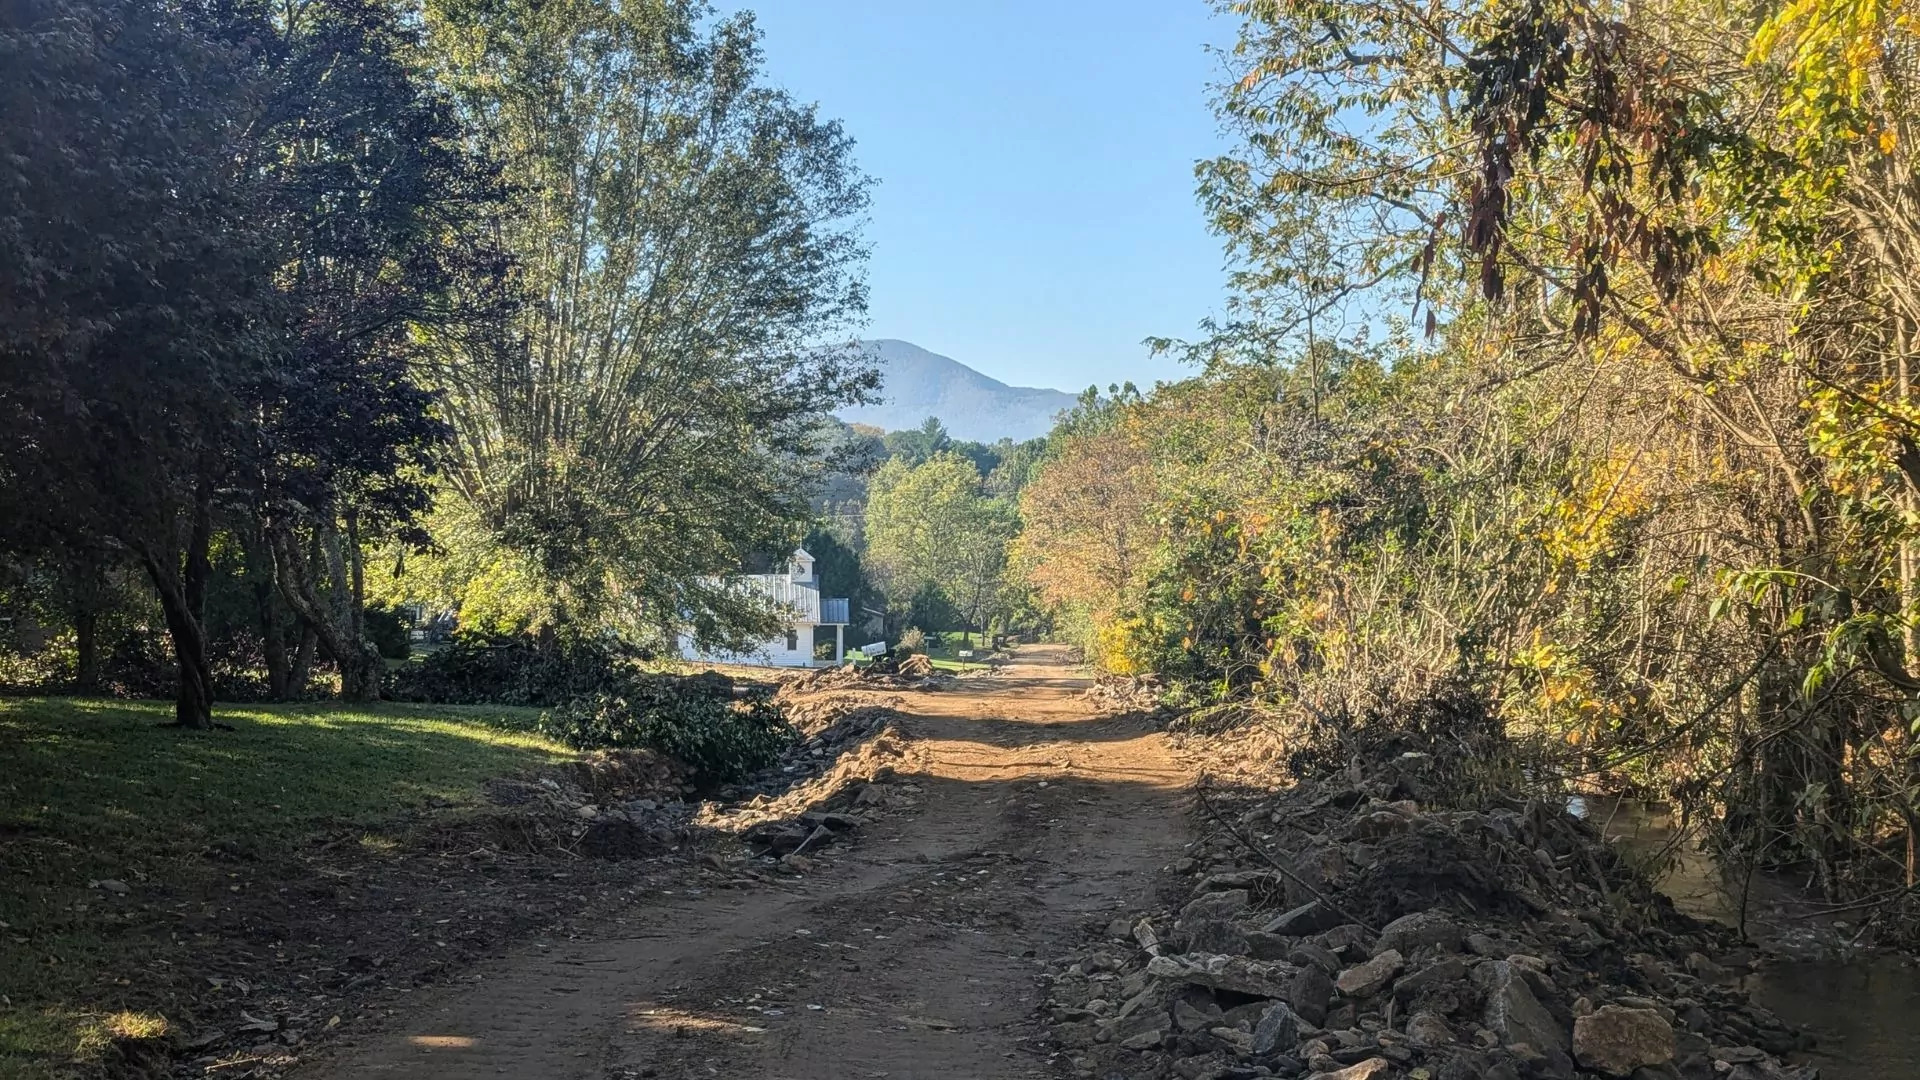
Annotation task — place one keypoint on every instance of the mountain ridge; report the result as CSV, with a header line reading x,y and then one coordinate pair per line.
x,y
918,383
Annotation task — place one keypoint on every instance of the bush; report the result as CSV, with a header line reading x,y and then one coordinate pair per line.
x,y
696,720
388,630
514,671
914,640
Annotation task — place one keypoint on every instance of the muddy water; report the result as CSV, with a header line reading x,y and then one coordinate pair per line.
x,y
1862,1005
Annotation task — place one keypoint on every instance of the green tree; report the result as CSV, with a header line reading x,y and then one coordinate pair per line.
x,y
930,526
687,236
134,294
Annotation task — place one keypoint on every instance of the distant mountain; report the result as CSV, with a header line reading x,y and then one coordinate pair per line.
x,y
974,407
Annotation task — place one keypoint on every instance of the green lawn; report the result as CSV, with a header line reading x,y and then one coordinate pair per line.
x,y
96,790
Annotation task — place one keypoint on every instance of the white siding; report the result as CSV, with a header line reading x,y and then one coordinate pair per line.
x,y
771,653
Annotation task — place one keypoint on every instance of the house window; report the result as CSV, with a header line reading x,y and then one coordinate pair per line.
x,y
793,640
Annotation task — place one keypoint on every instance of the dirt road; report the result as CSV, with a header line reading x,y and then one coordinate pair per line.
x,y
912,957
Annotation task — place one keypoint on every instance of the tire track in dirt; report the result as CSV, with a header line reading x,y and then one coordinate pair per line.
x,y
912,958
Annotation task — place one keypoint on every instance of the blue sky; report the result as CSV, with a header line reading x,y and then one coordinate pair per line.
x,y
1035,216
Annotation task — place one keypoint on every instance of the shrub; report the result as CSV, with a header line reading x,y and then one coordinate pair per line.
x,y
696,720
913,639
387,629
514,671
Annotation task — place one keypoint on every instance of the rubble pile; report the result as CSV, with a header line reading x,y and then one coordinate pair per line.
x,y
630,804
1126,693
617,804
828,783
1362,924
896,670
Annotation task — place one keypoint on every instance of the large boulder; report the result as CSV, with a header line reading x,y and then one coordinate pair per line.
x,y
1616,1040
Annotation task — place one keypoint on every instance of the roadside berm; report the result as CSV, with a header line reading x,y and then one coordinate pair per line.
x,y
1386,909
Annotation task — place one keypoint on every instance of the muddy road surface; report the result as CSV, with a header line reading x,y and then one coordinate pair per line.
x,y
912,956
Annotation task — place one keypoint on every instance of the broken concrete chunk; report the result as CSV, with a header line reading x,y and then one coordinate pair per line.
x,y
1376,1068
1237,973
1368,979
1616,1040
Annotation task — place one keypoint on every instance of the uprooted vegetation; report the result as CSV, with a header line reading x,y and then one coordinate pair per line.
x,y
1394,909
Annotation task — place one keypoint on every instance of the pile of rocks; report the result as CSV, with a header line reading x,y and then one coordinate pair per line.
x,y
1351,928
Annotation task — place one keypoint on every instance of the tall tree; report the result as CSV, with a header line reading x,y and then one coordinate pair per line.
x,y
687,238
930,526
134,297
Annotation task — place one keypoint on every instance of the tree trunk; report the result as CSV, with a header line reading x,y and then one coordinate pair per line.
x,y
273,626
183,600
86,643
333,623
300,671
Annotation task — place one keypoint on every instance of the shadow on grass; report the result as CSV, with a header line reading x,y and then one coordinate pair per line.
x,y
112,824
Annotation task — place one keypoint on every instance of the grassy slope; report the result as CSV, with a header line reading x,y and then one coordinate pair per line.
x,y
94,790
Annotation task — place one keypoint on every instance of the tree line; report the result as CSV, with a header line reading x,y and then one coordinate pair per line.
x,y
1571,361
523,299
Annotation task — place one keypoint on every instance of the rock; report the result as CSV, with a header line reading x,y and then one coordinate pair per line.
x,y
1428,1029
1703,968
1346,938
1308,992
1146,1040
1312,917
1378,824
1190,1017
1214,905
112,885
1738,1055
1514,1015
1422,929
1264,946
1616,1040
1217,936
1375,1068
1237,973
1313,954
1120,929
1236,1040
1443,975
1263,883
1278,1029
1368,979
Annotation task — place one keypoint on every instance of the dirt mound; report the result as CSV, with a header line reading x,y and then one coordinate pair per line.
x,y
1384,917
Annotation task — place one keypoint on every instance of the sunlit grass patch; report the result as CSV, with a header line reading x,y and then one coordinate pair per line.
x,y
106,813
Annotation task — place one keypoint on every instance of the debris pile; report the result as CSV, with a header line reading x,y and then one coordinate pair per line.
x,y
1126,693
827,784
617,804
895,670
1363,925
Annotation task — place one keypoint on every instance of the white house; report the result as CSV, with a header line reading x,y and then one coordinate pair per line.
x,y
798,591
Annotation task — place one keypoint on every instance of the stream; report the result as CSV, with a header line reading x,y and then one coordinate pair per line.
x,y
1862,1005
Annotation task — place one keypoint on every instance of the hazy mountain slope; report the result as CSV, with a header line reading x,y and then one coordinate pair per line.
x,y
920,384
